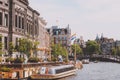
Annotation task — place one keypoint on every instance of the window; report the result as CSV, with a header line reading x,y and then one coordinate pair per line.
x,y
6,4
19,22
16,18
27,27
64,70
16,41
0,38
22,23
5,42
0,18
6,19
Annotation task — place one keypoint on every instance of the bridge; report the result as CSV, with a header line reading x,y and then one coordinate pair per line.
x,y
103,58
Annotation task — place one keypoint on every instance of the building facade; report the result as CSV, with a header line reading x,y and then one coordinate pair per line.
x,y
60,35
106,44
18,20
44,39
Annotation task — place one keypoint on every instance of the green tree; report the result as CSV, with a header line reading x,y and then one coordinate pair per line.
x,y
114,51
25,46
57,49
78,49
1,45
92,47
35,46
118,51
11,47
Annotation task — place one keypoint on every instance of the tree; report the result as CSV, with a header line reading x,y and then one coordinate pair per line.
x,y
25,46
78,49
114,51
92,47
1,52
118,51
1,45
11,47
35,46
57,50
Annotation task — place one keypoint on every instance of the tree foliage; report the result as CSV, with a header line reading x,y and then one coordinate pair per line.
x,y
78,49
114,51
1,45
35,46
25,46
57,49
118,51
92,47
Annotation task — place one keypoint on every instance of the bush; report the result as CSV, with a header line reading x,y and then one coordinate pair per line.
x,y
19,60
10,60
5,69
54,59
33,59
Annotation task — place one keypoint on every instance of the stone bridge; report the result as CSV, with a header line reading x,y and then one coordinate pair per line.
x,y
104,58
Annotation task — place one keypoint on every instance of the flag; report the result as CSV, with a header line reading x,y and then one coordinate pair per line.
x,y
73,37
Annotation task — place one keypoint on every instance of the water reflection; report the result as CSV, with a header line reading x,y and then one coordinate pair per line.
x,y
97,71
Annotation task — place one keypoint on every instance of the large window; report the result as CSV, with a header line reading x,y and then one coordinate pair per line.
x,y
64,70
16,42
27,27
6,20
19,22
22,23
0,38
0,18
5,42
16,19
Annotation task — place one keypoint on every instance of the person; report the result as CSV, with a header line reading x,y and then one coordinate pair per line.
x,y
60,58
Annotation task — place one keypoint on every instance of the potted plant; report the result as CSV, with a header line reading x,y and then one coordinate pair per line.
x,y
19,60
33,59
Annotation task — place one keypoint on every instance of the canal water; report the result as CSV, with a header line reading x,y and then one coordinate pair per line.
x,y
97,71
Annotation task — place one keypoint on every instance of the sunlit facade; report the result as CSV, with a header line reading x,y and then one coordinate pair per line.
x,y
18,20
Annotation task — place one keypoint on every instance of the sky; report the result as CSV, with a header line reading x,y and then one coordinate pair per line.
x,y
87,18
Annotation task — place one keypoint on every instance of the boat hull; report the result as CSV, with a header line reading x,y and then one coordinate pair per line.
x,y
53,77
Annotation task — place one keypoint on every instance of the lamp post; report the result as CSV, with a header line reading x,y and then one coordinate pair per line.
x,y
75,54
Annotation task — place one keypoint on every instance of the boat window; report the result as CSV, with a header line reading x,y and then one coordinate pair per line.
x,y
64,69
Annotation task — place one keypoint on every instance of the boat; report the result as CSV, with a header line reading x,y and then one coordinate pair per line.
x,y
95,61
85,61
54,72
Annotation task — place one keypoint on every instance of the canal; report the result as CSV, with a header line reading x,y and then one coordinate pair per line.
x,y
97,71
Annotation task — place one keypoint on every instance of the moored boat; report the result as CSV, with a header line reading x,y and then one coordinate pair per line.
x,y
85,61
55,72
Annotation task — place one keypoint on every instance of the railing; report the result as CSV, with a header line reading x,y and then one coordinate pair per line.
x,y
27,65
110,58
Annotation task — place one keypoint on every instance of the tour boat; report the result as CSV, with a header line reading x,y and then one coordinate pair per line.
x,y
55,72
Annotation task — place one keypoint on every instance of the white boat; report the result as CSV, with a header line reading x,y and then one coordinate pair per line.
x,y
55,72
85,61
